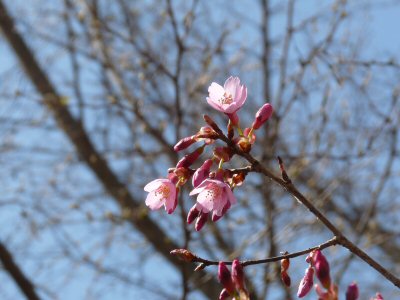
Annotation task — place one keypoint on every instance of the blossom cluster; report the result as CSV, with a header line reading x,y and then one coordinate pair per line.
x,y
213,187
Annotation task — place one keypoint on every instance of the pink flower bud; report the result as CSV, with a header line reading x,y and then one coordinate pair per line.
x,y
190,158
202,173
184,143
201,221
193,214
306,283
224,277
224,295
321,266
238,275
262,115
352,292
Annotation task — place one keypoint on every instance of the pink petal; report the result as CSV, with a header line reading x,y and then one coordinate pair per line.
x,y
154,202
199,189
230,85
219,204
155,184
214,104
170,202
231,196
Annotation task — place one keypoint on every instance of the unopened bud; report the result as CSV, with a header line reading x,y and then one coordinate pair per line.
x,y
286,278
184,143
224,277
352,292
262,115
306,283
190,158
206,133
193,214
321,266
201,221
238,274
183,254
202,173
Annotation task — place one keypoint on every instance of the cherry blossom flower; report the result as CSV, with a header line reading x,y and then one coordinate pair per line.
x,y
161,192
213,195
229,98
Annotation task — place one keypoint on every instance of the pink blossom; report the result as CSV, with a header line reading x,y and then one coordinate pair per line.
x,y
306,283
161,192
229,98
213,195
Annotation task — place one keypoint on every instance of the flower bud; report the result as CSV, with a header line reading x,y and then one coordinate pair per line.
x,y
352,292
321,266
306,283
202,173
190,158
286,278
201,221
224,277
193,214
285,263
184,143
238,274
262,115
183,254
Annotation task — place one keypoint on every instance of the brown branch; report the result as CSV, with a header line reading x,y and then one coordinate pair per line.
x,y
205,262
291,189
24,284
75,131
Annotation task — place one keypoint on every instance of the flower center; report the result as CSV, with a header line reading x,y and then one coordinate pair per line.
x,y
162,192
226,99
214,192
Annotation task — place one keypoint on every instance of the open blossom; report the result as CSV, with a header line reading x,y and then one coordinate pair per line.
x,y
213,195
229,98
161,192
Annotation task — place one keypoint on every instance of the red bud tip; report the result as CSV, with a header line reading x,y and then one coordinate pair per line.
x,y
190,158
183,254
352,292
